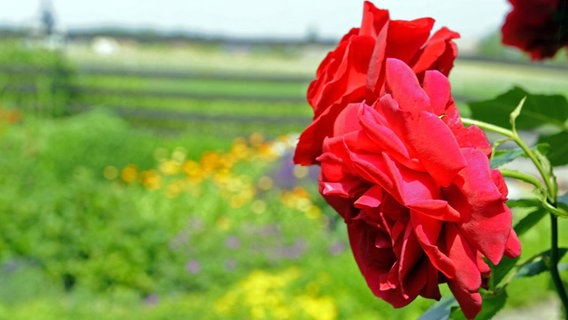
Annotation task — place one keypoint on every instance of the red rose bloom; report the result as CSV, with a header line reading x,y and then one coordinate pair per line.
x,y
354,71
539,27
414,186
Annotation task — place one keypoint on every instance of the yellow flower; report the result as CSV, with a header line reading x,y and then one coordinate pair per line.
x,y
175,188
321,308
240,150
262,295
223,223
210,161
169,167
150,179
129,173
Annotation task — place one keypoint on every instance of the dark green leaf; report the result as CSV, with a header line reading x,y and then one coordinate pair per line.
x,y
523,203
538,110
492,303
532,268
529,221
538,264
501,157
558,151
440,310
543,148
500,271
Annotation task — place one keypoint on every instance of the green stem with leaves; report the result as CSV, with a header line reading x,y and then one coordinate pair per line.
x,y
554,263
549,192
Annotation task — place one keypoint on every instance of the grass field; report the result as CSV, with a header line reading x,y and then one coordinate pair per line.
x,y
105,217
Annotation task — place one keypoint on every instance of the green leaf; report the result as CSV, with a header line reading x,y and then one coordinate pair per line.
x,y
492,303
538,110
538,264
440,310
558,147
532,269
500,271
501,157
523,203
543,148
529,221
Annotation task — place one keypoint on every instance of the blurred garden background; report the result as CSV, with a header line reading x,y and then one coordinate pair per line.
x,y
148,175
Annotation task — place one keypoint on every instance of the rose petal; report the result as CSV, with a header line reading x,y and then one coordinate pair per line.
x,y
437,87
467,281
347,120
513,246
373,19
486,219
436,209
372,168
372,198
427,232
412,273
405,38
404,86
439,52
431,141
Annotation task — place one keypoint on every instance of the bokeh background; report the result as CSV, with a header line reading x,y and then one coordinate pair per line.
x,y
145,168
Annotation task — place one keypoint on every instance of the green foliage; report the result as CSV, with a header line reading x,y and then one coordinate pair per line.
x,y
538,264
34,78
558,147
538,110
502,157
546,115
67,219
79,242
441,310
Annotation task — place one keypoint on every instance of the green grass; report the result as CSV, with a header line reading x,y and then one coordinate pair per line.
x,y
202,86
203,58
205,107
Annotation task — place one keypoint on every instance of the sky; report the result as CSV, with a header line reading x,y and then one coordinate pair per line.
x,y
257,18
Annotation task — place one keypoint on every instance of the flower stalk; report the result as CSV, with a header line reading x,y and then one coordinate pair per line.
x,y
554,257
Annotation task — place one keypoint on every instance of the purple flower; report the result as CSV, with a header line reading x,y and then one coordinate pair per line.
x,y
193,266
232,242
336,248
151,299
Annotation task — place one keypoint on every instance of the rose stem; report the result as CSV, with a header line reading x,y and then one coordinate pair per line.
x,y
554,262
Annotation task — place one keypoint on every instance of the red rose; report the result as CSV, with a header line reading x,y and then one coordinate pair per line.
x,y
538,27
414,186
354,71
